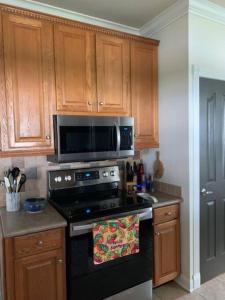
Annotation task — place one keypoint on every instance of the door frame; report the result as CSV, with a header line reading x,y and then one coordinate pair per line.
x,y
194,167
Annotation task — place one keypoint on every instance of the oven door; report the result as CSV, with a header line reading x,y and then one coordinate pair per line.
x,y
95,282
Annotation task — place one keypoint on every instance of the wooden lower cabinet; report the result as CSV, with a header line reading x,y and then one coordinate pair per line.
x,y
39,274
166,247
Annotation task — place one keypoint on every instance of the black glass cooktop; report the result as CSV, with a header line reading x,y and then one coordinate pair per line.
x,y
81,208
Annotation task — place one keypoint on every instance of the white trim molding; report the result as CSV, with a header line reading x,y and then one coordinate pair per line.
x,y
208,10
203,8
194,176
167,17
68,14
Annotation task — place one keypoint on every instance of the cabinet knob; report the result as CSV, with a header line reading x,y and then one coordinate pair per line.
x,y
169,213
40,243
157,233
101,103
89,103
48,137
60,261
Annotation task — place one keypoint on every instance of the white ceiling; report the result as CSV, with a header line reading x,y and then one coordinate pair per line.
x,y
134,13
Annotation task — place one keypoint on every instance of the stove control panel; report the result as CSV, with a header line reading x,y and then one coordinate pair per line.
x,y
72,178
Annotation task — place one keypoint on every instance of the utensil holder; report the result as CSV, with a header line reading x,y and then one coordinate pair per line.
x,y
12,202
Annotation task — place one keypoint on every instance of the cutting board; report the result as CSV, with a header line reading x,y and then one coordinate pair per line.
x,y
158,167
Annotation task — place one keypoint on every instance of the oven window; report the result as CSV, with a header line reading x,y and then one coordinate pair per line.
x,y
75,139
104,138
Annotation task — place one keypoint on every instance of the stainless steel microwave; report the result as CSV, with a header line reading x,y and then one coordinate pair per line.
x,y
85,138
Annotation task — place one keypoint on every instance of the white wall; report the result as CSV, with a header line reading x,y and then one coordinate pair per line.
x,y
207,45
173,122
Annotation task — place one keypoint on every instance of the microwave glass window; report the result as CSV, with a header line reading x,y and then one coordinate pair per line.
x,y
105,138
126,137
75,139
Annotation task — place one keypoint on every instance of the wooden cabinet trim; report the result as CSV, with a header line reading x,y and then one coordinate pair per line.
x,y
85,26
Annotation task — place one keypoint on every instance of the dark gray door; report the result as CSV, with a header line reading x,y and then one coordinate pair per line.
x,y
212,178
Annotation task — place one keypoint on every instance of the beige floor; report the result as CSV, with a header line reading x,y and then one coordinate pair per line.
x,y
211,290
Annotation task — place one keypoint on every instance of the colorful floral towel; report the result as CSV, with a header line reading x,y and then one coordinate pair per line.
x,y
115,238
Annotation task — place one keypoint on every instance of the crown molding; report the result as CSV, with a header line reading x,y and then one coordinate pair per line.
x,y
168,16
208,10
67,14
202,8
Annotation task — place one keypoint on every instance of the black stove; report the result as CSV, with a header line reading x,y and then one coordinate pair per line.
x,y
91,193
85,197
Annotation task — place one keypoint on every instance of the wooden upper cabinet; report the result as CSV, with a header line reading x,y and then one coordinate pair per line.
x,y
113,74
144,94
29,77
75,69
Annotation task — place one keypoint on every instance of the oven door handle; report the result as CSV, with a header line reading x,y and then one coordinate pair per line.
x,y
142,216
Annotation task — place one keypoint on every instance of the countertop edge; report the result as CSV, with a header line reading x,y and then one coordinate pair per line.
x,y
31,231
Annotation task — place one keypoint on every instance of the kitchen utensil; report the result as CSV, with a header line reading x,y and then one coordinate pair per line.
x,y
22,181
15,173
18,182
34,205
7,184
158,167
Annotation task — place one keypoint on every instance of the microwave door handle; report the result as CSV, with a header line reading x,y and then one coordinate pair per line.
x,y
118,137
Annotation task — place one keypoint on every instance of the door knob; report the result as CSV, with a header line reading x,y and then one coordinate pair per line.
x,y
204,192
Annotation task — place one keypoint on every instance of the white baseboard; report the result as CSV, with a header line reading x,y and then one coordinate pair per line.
x,y
185,283
189,284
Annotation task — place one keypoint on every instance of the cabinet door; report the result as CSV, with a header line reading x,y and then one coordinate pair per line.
x,y
75,70
113,74
29,62
40,277
166,252
144,94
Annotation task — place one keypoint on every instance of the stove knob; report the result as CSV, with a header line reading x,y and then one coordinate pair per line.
x,y
56,179
68,178
104,206
112,173
105,174
113,204
59,178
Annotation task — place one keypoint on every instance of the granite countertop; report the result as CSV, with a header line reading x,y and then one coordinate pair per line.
x,y
21,222
165,199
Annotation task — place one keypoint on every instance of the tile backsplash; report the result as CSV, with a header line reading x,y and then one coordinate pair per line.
x,y
36,167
